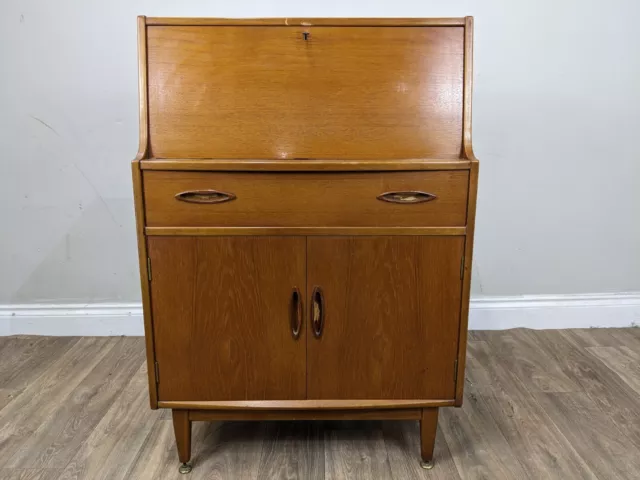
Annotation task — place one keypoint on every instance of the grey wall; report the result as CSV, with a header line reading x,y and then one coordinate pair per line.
x,y
556,126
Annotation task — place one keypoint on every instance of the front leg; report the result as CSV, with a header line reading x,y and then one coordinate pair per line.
x,y
182,429
428,428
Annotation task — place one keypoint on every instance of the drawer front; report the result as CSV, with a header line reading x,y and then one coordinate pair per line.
x,y
249,199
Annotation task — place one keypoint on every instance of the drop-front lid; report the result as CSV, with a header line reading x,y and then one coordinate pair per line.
x,y
306,89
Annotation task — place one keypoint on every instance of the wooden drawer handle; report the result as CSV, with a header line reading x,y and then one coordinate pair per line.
x,y
317,312
296,313
410,196
205,196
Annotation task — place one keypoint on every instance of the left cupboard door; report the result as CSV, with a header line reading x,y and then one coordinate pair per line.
x,y
227,317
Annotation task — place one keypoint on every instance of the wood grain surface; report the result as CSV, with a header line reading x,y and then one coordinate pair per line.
x,y
315,414
466,276
391,317
510,426
291,405
138,199
306,231
305,199
305,22
222,317
182,429
234,92
307,165
428,428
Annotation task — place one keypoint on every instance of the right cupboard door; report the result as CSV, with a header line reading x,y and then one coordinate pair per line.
x,y
384,316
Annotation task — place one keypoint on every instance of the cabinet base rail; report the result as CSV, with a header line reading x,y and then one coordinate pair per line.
x,y
428,418
303,404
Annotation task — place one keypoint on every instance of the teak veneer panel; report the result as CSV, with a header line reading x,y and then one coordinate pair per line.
x,y
291,405
307,22
315,414
308,231
266,92
307,165
222,317
391,308
304,123
306,199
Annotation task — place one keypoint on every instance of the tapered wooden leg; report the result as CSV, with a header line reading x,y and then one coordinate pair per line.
x,y
182,429
428,428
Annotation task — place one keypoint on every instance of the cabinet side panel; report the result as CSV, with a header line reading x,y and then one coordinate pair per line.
x,y
466,282
144,281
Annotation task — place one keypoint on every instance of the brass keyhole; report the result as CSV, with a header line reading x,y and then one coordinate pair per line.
x,y
306,35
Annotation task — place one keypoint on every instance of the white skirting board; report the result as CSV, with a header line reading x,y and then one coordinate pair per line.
x,y
80,319
487,313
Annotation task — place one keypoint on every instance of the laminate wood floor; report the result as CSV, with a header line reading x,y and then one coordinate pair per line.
x,y
538,404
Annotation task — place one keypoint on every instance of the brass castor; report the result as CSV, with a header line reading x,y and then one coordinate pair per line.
x,y
426,465
184,468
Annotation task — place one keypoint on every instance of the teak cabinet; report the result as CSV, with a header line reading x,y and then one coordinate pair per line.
x,y
305,199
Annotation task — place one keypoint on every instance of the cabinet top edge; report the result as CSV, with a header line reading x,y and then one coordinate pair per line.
x,y
308,22
320,165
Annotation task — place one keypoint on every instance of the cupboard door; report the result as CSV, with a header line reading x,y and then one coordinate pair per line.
x,y
387,310
224,316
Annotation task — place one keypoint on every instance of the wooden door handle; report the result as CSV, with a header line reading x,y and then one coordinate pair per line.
x,y
296,313
409,196
317,312
205,196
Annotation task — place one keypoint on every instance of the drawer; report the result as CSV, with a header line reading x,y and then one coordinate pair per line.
x,y
269,199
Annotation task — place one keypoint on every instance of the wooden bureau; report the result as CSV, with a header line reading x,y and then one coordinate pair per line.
x,y
305,197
